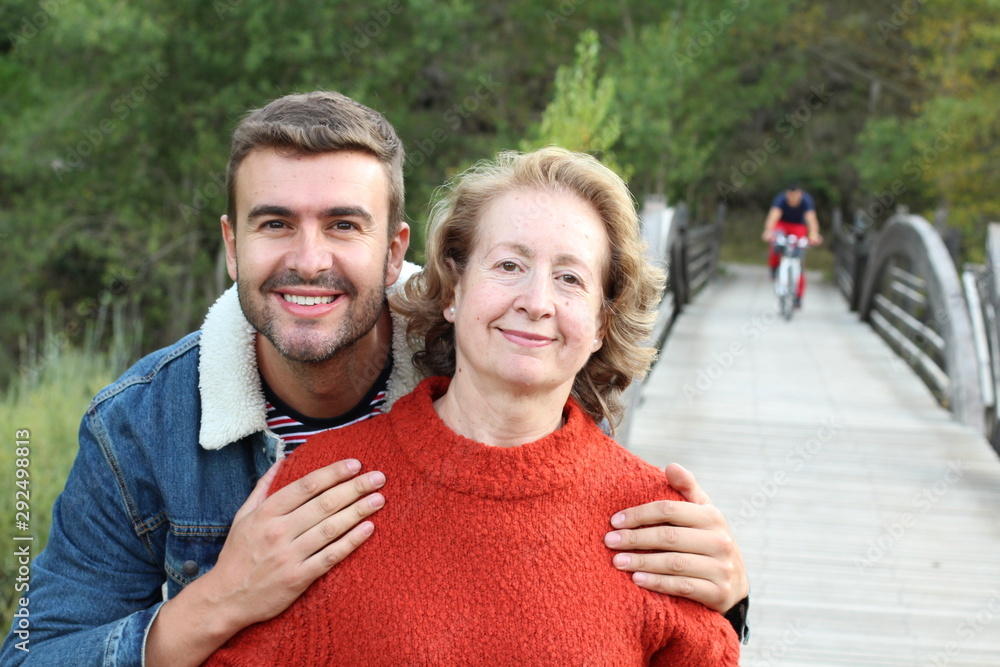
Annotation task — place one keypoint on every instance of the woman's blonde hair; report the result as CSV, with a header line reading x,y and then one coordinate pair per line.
x,y
632,286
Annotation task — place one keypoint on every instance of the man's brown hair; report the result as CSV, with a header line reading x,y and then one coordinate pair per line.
x,y
314,123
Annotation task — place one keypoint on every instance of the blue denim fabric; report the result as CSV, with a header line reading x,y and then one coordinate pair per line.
x,y
142,498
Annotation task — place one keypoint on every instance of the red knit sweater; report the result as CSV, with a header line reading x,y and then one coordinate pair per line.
x,y
485,556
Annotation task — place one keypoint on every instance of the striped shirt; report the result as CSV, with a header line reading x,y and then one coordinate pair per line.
x,y
294,428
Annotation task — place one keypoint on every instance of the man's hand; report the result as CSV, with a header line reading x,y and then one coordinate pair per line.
x,y
278,545
276,548
815,239
699,559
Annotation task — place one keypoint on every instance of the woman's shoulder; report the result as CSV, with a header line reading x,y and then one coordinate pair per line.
x,y
360,440
630,476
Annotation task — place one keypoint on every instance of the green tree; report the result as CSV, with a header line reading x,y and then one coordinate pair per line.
x,y
582,115
688,84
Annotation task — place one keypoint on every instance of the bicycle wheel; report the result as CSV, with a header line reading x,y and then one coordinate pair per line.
x,y
787,305
783,289
792,293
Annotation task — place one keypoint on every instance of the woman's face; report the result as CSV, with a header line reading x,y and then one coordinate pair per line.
x,y
528,306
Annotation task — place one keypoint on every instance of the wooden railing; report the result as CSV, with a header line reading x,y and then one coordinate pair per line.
x,y
902,280
690,254
700,252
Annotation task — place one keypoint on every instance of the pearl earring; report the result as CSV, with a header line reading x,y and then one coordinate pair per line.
x,y
452,310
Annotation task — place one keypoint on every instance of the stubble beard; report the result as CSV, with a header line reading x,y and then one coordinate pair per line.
x,y
316,345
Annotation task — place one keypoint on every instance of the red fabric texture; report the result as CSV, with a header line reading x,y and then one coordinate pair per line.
x,y
774,259
485,556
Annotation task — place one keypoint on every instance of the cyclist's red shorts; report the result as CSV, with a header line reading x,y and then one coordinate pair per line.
x,y
773,258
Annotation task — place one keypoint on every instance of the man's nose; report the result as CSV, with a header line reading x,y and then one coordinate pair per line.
x,y
310,254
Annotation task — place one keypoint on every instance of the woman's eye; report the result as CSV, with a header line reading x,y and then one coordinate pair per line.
x,y
508,266
570,279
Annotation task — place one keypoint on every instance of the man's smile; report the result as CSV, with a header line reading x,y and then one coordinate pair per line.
x,y
307,300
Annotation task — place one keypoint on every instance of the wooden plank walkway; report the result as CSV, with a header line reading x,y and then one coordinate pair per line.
x,y
868,518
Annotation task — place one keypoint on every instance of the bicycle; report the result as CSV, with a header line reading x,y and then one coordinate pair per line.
x,y
791,247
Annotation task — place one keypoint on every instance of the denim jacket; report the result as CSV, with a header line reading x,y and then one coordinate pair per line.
x,y
168,454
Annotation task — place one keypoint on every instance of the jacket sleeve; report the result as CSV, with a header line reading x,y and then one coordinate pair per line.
x,y
96,588
696,636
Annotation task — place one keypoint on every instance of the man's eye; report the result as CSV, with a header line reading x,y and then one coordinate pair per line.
x,y
344,226
274,224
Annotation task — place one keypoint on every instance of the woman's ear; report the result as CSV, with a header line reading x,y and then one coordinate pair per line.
x,y
599,334
456,291
449,308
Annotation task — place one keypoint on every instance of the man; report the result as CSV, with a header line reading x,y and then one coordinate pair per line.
x,y
792,212
170,484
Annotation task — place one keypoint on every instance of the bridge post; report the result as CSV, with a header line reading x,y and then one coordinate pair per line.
x,y
652,223
678,256
990,290
660,231
851,249
720,228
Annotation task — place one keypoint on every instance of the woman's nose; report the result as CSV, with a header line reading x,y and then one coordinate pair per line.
x,y
536,298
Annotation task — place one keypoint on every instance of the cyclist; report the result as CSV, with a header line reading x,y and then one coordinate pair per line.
x,y
792,212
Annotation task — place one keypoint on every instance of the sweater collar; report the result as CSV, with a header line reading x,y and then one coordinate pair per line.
x,y
232,399
501,473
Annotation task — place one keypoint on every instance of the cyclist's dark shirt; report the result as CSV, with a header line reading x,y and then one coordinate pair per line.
x,y
796,214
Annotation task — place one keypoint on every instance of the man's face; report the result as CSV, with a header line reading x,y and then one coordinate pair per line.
x,y
793,197
310,252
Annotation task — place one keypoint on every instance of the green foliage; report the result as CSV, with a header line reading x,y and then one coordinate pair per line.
x,y
944,146
582,115
884,147
687,86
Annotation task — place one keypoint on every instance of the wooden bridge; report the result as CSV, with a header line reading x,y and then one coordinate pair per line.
x,y
868,514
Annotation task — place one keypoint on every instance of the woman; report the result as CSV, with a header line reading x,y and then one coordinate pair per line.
x,y
531,311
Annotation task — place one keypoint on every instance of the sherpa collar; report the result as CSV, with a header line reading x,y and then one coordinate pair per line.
x,y
232,398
